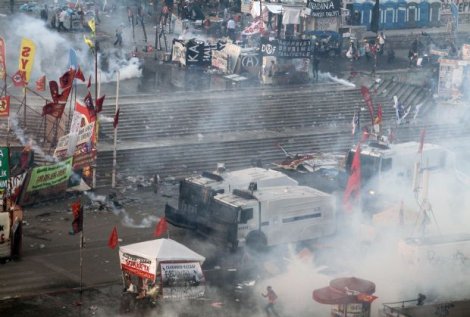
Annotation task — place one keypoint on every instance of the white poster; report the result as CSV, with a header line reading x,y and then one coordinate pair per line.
x,y
4,234
67,144
182,280
178,53
137,265
220,60
233,53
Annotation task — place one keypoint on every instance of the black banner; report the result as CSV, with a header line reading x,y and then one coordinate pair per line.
x,y
294,48
286,48
198,53
269,48
324,8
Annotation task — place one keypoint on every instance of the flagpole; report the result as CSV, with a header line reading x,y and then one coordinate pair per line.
x,y
96,123
113,181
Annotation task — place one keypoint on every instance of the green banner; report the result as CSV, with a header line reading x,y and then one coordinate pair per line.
x,y
48,176
4,168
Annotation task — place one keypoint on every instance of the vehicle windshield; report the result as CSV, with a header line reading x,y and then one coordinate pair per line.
x,y
369,165
223,213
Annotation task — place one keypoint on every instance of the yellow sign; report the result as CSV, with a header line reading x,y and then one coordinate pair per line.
x,y
27,51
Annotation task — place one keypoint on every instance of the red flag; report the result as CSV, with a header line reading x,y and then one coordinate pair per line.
x,y
79,74
66,79
19,79
54,88
116,119
41,83
113,239
53,109
77,211
353,186
81,108
99,103
161,228
378,119
367,99
421,140
4,106
62,98
88,85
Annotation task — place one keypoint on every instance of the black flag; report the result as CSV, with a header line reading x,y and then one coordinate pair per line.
x,y
375,21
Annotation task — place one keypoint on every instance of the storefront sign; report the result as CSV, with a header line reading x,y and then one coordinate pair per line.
x,y
137,265
4,168
182,280
51,175
324,8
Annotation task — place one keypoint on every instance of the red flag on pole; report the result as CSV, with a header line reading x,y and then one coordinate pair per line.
x,y
161,228
41,83
66,79
53,109
116,119
54,87
77,211
353,186
99,104
79,74
368,100
421,140
19,79
113,239
378,119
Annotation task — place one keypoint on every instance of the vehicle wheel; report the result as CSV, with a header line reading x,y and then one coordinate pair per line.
x,y
256,240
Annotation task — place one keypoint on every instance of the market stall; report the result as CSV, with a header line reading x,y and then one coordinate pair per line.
x,y
162,268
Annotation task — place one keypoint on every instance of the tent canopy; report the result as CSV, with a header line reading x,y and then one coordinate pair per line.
x,y
163,250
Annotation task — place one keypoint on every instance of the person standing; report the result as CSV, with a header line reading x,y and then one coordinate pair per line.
x,y
62,16
44,14
231,29
315,66
272,297
118,36
381,42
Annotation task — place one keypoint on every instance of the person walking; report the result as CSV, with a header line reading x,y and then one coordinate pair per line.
x,y
315,65
118,36
272,297
62,16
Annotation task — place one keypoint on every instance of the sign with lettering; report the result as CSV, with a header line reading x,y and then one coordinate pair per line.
x,y
220,60
324,8
182,280
4,168
27,53
137,265
198,53
50,175
286,48
71,143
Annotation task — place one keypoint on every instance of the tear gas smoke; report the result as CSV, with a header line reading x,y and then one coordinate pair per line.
x,y
14,124
328,76
54,46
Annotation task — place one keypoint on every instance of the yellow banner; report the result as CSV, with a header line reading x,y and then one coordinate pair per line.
x,y
27,51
